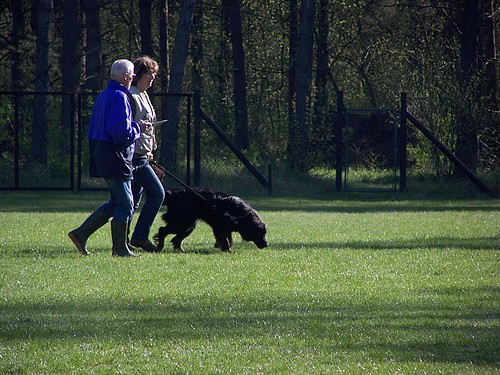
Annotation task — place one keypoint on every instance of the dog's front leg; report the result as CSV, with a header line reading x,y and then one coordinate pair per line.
x,y
226,246
222,241
177,243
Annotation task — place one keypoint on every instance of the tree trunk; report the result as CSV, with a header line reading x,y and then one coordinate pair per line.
x,y
170,133
197,86
304,73
320,121
145,25
164,62
233,11
490,49
16,35
292,80
70,66
92,45
223,112
40,110
470,26
164,72
197,50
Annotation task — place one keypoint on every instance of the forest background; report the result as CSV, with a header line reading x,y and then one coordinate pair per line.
x,y
268,71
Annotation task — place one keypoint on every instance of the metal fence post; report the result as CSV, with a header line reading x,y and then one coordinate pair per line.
x,y
197,137
402,142
338,137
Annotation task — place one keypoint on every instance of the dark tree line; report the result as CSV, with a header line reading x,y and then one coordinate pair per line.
x,y
269,70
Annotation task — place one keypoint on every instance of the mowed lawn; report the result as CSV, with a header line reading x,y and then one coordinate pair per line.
x,y
354,284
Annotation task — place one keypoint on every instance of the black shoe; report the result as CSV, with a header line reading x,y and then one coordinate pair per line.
x,y
145,245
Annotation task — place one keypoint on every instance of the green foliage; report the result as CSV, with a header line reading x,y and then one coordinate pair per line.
x,y
359,285
376,49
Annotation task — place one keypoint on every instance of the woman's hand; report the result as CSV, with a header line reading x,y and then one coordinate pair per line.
x,y
145,126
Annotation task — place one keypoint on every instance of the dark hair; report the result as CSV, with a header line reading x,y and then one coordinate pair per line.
x,y
144,65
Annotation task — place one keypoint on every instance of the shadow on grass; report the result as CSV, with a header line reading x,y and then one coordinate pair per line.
x,y
46,251
410,331
340,203
381,208
485,243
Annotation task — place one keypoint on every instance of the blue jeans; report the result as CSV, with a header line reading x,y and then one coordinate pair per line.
x,y
145,180
121,204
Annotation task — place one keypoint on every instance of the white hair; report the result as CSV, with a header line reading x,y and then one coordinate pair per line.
x,y
120,67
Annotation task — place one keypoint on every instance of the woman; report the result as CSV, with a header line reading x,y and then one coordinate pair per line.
x,y
145,179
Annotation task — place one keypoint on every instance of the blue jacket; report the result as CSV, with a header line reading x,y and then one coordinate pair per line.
x,y
112,134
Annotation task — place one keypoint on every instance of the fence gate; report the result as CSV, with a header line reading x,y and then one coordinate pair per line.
x,y
370,159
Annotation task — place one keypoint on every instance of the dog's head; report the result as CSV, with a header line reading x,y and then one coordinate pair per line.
x,y
256,233
260,239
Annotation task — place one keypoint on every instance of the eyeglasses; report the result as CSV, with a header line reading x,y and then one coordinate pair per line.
x,y
131,75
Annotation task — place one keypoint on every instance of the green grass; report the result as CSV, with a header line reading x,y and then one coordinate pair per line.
x,y
352,283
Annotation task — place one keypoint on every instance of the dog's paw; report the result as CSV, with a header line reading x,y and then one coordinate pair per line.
x,y
224,245
177,245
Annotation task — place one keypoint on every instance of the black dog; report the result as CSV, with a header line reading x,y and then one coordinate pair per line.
x,y
224,213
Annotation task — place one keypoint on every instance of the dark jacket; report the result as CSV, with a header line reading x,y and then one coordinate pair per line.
x,y
112,134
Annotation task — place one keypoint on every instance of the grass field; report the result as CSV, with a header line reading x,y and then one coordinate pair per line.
x,y
355,284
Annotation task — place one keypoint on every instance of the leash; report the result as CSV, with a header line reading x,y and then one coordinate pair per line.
x,y
233,218
137,167
177,179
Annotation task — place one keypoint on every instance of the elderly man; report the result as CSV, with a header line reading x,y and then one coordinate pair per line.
x,y
112,133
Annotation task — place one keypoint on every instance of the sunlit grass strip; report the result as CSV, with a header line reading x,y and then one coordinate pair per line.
x,y
346,287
